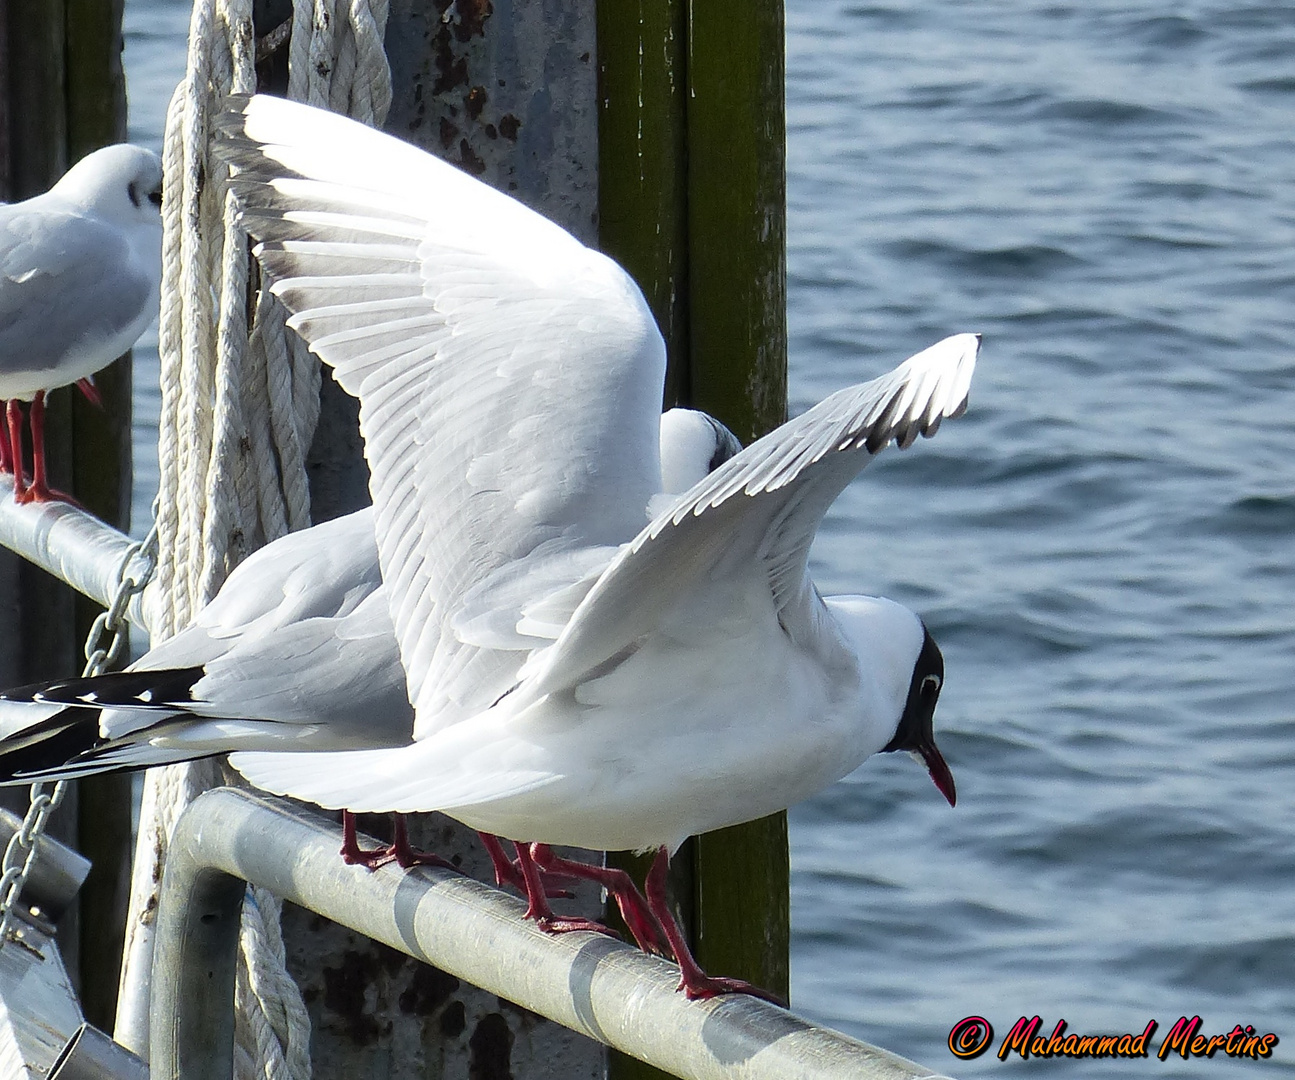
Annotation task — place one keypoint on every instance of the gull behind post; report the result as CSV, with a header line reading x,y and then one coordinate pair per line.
x,y
576,678
296,652
80,268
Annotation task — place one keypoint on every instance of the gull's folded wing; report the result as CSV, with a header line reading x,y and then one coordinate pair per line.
x,y
63,277
296,652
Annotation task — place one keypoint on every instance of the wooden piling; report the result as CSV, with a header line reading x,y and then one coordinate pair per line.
x,y
102,480
38,617
738,373
692,197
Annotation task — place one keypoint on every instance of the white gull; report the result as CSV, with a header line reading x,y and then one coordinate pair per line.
x,y
79,272
295,652
576,678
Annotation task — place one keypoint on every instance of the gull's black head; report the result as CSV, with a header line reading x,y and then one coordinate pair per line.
x,y
916,730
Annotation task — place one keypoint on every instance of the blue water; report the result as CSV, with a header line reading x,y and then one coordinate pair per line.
x,y
1102,545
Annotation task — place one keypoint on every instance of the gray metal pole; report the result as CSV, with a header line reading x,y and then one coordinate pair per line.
x,y
92,1055
591,984
73,546
56,875
191,1033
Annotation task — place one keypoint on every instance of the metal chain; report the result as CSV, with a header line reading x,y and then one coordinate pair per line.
x,y
103,646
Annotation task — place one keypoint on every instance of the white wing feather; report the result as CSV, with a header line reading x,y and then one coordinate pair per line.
x,y
765,503
471,329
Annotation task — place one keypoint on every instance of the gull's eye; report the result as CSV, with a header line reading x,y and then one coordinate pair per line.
x,y
931,684
132,189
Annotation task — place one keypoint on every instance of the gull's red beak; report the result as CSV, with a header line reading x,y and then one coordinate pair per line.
x,y
939,770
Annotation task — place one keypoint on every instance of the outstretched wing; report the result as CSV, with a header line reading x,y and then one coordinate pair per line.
x,y
764,504
509,378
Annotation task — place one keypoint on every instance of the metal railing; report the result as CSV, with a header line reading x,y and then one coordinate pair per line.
x,y
74,546
602,988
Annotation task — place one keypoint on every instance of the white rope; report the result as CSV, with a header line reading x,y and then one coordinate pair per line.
x,y
239,407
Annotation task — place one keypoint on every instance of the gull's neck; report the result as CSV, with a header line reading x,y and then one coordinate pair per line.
x,y
885,639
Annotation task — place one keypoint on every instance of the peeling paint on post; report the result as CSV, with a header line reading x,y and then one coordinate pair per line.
x,y
506,91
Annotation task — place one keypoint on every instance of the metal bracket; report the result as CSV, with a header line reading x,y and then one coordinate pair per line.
x,y
38,1007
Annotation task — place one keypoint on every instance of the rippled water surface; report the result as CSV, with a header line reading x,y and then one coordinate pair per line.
x,y
1102,545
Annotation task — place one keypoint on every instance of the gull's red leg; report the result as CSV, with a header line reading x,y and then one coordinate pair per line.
x,y
537,904
13,417
508,871
633,907
38,490
6,462
406,855
91,392
694,982
354,855
398,851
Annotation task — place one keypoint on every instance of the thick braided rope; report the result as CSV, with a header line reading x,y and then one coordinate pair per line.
x,y
239,410
276,1033
169,331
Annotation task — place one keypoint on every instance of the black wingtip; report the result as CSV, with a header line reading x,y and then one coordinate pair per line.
x,y
173,686
48,746
880,430
231,121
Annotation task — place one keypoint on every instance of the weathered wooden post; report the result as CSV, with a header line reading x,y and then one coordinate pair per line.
x,y
101,478
63,96
692,197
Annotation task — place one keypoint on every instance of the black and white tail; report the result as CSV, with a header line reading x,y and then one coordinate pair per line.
x,y
125,720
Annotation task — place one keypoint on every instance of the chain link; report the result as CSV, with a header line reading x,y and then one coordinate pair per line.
x,y
103,646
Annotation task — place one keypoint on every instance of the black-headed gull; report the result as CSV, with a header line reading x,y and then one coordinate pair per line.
x,y
576,677
80,267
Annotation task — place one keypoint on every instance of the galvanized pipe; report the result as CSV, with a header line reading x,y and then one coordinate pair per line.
x,y
56,874
74,546
191,1008
592,984
92,1055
